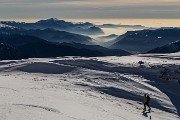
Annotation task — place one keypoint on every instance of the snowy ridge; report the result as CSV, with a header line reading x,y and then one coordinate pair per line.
x,y
169,48
6,26
89,88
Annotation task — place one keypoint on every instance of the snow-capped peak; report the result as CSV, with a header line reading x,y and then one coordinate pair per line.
x,y
53,19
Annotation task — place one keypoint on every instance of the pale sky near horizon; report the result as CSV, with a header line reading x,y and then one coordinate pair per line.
x,y
35,9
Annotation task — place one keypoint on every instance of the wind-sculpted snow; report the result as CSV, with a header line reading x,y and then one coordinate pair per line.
x,y
88,88
148,73
133,96
129,82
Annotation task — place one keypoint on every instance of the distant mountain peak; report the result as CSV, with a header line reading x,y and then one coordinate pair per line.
x,y
61,25
54,19
142,41
50,20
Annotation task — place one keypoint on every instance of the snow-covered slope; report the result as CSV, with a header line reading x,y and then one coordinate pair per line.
x,y
6,26
169,48
77,88
143,41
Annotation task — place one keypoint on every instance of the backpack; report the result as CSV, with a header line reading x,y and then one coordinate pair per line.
x,y
148,98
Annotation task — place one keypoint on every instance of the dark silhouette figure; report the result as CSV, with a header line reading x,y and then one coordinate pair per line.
x,y
146,102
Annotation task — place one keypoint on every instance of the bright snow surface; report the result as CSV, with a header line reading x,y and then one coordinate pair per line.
x,y
78,88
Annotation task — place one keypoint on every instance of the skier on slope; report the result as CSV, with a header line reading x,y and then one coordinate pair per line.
x,y
146,102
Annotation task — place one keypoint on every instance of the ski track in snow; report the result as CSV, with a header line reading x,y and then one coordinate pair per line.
x,y
41,107
80,88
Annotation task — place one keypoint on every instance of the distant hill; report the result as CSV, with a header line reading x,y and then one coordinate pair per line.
x,y
17,40
169,48
8,52
20,46
105,51
48,49
60,36
49,34
145,40
79,28
94,30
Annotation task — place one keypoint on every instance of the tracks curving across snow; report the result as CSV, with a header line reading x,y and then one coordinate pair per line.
x,y
40,107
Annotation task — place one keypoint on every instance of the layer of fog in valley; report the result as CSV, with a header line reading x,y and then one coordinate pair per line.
x,y
121,26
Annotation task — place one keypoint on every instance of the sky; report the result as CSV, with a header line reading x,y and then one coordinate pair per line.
x,y
37,9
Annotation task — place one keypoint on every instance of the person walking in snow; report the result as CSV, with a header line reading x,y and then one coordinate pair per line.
x,y
146,102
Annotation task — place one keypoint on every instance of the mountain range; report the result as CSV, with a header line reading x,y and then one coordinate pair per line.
x,y
61,25
45,39
145,40
18,46
49,34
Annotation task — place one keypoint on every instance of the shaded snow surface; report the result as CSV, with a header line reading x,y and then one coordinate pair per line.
x,y
101,88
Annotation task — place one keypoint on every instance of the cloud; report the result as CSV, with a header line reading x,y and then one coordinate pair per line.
x,y
91,8
88,3
94,2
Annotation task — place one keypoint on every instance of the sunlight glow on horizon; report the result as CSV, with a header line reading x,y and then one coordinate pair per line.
x,y
124,21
